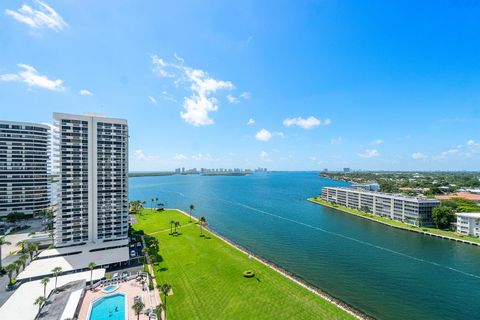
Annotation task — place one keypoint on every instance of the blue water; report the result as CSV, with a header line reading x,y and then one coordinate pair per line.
x,y
110,288
104,309
385,272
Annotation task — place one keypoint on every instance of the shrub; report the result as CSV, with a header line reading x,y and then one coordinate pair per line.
x,y
248,274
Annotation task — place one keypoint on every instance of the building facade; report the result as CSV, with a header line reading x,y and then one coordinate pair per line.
x,y
468,223
91,160
24,167
411,210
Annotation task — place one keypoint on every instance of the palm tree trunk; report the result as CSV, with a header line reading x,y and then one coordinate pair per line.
x,y
45,290
0,256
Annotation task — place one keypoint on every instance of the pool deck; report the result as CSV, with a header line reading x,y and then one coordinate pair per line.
x,y
130,288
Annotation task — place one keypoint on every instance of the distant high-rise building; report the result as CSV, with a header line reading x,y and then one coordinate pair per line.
x,y
346,170
24,166
91,155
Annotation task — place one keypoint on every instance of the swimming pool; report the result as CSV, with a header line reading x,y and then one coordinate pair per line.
x,y
110,288
110,307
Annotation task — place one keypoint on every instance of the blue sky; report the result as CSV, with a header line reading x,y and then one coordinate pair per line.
x,y
288,85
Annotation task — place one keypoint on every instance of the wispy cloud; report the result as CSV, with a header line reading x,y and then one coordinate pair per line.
x,y
180,157
336,140
42,16
202,87
264,156
419,156
152,99
377,142
204,157
85,93
369,153
30,76
250,122
245,95
232,99
307,123
263,135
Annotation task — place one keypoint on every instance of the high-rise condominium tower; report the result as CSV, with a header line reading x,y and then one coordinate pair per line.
x,y
24,156
91,160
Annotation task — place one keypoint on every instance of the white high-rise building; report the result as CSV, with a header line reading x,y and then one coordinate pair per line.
x,y
24,166
91,160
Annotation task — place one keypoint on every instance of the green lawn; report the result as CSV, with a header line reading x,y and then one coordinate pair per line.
x,y
394,223
207,281
148,222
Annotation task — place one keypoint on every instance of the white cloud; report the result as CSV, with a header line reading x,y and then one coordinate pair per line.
x,y
180,157
152,99
473,143
232,99
245,95
30,76
43,16
160,67
418,156
202,86
250,122
204,157
168,97
263,135
377,142
140,155
336,140
307,123
369,153
264,157
85,93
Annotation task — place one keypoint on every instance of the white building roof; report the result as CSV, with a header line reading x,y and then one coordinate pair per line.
x,y
20,305
475,215
82,248
41,267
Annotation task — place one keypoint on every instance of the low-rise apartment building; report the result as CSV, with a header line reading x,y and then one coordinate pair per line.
x,y
468,223
413,210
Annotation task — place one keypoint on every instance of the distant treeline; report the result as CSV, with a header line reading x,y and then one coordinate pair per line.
x,y
150,174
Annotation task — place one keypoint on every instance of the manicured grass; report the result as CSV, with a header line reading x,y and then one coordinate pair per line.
x,y
206,275
394,223
148,222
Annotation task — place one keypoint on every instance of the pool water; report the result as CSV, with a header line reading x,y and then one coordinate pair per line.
x,y
110,288
109,308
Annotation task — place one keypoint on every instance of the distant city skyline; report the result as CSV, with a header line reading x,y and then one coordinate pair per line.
x,y
286,86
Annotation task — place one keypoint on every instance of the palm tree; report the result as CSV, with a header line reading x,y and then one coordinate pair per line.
x,y
91,266
52,235
138,307
172,222
24,259
56,271
23,245
203,222
18,265
191,207
158,310
177,224
153,199
40,301
32,248
165,289
45,281
2,242
9,269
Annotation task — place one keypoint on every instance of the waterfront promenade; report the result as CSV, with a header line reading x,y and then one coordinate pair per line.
x,y
206,274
